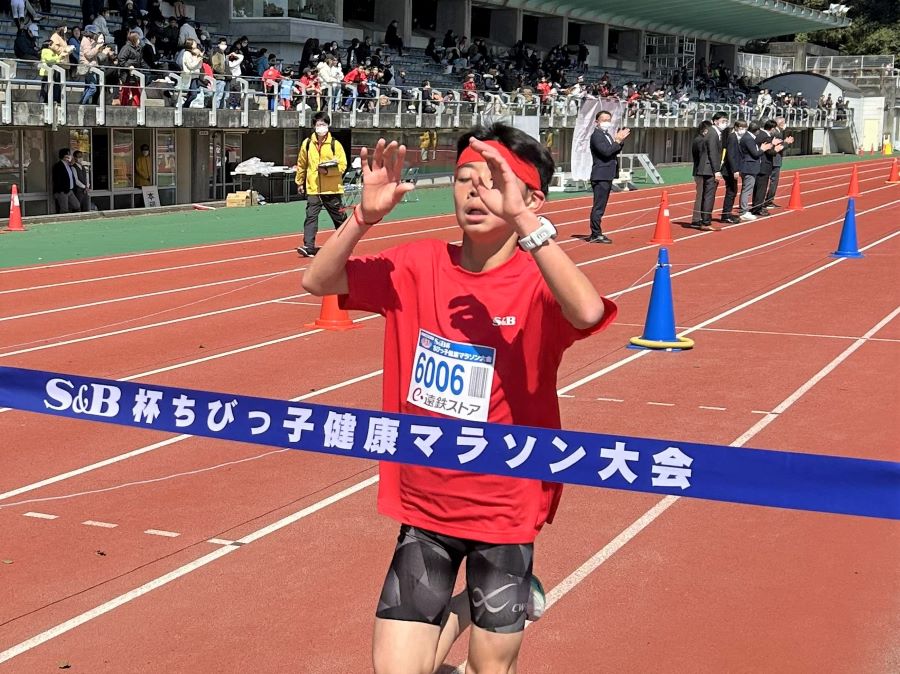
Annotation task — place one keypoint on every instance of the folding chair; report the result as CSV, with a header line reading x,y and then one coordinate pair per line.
x,y
411,175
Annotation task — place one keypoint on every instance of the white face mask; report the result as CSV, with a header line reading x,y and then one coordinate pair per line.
x,y
321,130
605,126
223,47
722,126
740,132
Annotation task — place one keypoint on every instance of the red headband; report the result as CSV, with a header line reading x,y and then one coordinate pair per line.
x,y
524,171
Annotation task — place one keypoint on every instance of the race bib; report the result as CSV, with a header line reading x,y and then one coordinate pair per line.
x,y
452,378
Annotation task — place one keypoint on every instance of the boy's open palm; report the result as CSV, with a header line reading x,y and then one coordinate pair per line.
x,y
504,198
382,180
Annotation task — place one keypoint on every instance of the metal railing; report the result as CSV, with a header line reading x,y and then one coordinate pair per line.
x,y
382,105
761,66
867,70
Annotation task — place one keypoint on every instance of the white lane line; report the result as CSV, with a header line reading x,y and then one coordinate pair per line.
x,y
776,333
740,307
785,404
164,534
138,328
710,407
102,525
550,211
142,296
170,441
562,391
580,264
580,574
41,516
108,606
650,191
555,594
611,400
142,272
650,402
759,412
220,541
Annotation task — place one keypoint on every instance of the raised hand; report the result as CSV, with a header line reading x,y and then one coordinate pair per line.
x,y
504,198
622,134
382,186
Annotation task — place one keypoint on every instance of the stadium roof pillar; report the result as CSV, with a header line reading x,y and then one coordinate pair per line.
x,y
455,14
552,30
506,26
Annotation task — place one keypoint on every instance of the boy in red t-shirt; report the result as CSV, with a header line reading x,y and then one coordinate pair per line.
x,y
511,302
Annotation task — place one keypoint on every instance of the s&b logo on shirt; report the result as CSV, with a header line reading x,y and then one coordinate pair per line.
x,y
504,320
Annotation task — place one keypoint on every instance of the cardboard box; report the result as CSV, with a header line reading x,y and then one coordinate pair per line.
x,y
242,198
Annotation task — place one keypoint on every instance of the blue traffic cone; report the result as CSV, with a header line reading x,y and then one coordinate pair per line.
x,y
848,246
659,328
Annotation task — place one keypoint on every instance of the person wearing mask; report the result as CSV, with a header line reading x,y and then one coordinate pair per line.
x,y
706,151
62,178
143,168
330,77
131,57
751,152
49,58
91,44
191,68
731,169
82,182
102,26
761,186
320,169
59,43
221,72
271,77
605,150
778,133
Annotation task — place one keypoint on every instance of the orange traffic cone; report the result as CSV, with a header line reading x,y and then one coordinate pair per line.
x,y
332,317
795,204
663,232
15,212
894,177
854,184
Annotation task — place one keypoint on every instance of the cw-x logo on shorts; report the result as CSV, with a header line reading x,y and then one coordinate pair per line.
x,y
479,598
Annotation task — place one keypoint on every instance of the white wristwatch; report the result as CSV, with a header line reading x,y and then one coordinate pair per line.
x,y
540,236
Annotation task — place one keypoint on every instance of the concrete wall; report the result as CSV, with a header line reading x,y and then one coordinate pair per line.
x,y
455,14
506,26
401,10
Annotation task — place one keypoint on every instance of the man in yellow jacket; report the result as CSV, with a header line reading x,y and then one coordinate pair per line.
x,y
320,174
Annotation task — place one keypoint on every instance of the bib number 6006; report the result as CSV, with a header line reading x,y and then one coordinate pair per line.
x,y
438,374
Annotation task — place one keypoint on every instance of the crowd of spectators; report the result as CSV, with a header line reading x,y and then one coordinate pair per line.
x,y
182,63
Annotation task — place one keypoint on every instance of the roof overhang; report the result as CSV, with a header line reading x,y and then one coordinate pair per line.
x,y
729,21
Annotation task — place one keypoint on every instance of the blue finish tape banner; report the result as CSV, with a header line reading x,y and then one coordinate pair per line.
x,y
739,475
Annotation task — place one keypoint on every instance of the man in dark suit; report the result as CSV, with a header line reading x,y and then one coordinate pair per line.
x,y
761,187
751,152
777,132
63,181
706,151
731,169
605,149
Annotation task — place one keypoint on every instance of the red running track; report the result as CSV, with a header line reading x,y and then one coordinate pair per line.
x,y
700,587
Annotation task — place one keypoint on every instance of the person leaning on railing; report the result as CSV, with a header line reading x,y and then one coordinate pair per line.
x,y
131,57
49,58
91,44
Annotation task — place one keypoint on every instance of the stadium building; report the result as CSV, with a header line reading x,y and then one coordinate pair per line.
x,y
663,66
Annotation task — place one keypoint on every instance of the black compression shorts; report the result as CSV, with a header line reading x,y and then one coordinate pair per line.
x,y
423,571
